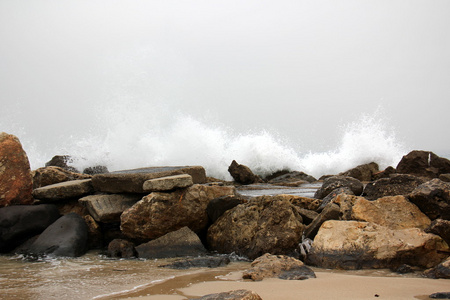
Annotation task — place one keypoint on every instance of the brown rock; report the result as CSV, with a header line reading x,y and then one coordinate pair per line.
x,y
441,228
362,172
121,249
15,175
335,182
330,212
161,213
267,224
64,190
95,236
51,175
433,198
424,164
232,295
61,161
242,174
108,208
397,184
168,183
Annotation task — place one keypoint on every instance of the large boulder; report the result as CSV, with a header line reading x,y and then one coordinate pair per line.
x,y
19,223
335,182
356,245
423,164
362,172
397,184
218,206
330,212
281,266
433,198
64,190
267,224
161,213
109,207
395,212
183,242
67,237
51,175
15,175
242,174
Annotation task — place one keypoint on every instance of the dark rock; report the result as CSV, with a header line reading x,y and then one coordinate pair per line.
x,y
131,181
445,177
218,206
433,198
51,175
440,271
298,273
64,190
242,174
331,196
95,236
232,295
423,164
384,174
15,176
330,212
62,162
335,182
19,223
121,249
109,207
183,242
66,237
362,172
307,215
95,170
267,224
397,184
293,178
198,262
403,269
441,228
441,295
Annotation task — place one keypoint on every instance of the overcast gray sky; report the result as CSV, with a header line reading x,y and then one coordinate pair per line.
x,y
298,68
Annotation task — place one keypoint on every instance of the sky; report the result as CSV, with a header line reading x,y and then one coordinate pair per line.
x,y
300,69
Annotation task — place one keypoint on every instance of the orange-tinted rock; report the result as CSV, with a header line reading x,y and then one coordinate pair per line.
x,y
15,175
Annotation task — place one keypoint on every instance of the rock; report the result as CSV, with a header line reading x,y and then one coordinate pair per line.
x,y
433,198
15,176
384,174
440,227
332,196
51,175
281,266
293,178
64,190
161,213
131,181
95,236
355,245
95,170
440,271
394,212
167,183
108,208
121,249
267,224
232,295
423,164
218,206
61,161
19,223
302,202
307,215
445,177
334,182
66,237
362,172
183,242
199,262
397,184
440,295
330,212
72,205
242,174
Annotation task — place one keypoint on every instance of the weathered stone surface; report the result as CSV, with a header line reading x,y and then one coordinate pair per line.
x,y
183,242
64,190
95,236
307,215
433,198
96,170
394,212
108,208
445,177
232,295
168,183
330,212
397,184
302,202
386,173
19,223
334,182
362,172
51,175
441,228
218,206
281,266
121,249
161,213
423,164
356,245
267,224
242,174
67,237
62,162
293,178
440,271
332,196
199,262
15,174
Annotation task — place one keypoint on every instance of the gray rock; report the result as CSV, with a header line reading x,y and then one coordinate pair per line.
x,y
440,271
108,208
198,262
397,184
232,295
167,183
293,178
433,198
335,182
441,228
440,295
64,190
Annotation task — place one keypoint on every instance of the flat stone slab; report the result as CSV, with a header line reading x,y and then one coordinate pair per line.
x,y
108,208
168,183
132,181
64,190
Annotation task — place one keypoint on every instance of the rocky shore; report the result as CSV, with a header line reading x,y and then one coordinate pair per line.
x,y
364,218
